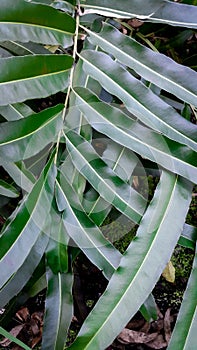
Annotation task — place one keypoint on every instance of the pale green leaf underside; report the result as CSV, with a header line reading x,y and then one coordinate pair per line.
x,y
162,11
85,233
16,111
58,310
129,133
184,334
24,273
139,99
175,14
188,236
120,159
124,9
103,179
144,261
152,66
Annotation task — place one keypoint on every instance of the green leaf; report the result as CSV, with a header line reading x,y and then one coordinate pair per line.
x,y
4,53
24,138
124,9
58,310
16,111
28,221
122,162
175,14
24,273
176,79
120,159
8,190
188,236
76,121
77,181
13,339
149,309
16,49
103,179
64,6
35,76
162,11
84,232
184,333
57,250
140,266
95,206
39,23
139,99
37,287
21,176
129,133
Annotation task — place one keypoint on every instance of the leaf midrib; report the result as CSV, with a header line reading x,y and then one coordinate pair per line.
x,y
30,216
132,137
34,77
137,102
39,26
107,9
141,265
139,63
188,332
81,227
48,121
159,20
100,178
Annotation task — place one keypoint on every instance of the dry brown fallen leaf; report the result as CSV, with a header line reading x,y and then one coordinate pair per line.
x,y
135,23
167,325
128,336
157,343
23,314
156,335
15,332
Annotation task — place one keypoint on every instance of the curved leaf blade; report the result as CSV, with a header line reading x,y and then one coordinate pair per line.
x,y
139,99
162,11
176,14
24,138
23,230
119,127
24,273
184,333
124,9
8,190
120,159
143,261
16,111
59,310
22,21
21,176
155,67
35,76
103,179
57,249
84,232
13,339
188,237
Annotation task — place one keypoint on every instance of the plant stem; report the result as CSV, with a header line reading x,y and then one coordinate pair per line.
x,y
71,79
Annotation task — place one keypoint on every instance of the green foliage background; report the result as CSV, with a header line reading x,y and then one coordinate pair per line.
x,y
117,88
